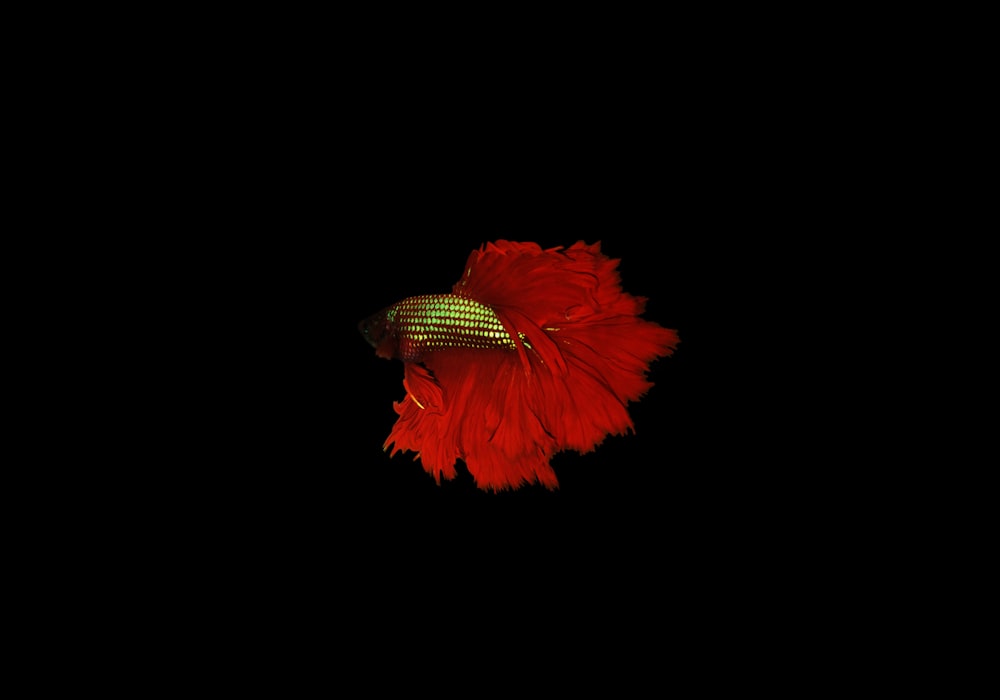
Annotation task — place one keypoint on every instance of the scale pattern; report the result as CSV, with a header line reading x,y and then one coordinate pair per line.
x,y
440,321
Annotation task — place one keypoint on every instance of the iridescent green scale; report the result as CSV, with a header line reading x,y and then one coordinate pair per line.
x,y
441,321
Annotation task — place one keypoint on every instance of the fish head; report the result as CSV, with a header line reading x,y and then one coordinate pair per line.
x,y
378,330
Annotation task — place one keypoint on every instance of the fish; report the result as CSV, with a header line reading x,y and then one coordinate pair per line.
x,y
533,352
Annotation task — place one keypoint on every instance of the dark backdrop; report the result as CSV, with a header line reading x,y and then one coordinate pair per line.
x,y
257,212
274,409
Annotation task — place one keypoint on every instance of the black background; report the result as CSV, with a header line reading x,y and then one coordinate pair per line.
x,y
283,408
238,215
270,236
318,403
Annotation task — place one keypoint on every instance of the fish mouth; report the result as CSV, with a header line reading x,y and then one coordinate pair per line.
x,y
369,330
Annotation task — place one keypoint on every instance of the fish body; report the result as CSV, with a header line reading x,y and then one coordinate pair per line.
x,y
533,352
427,323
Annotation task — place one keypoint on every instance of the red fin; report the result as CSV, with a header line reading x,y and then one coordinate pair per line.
x,y
485,418
418,428
582,356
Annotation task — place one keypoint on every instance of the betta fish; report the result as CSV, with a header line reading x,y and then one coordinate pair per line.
x,y
534,351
